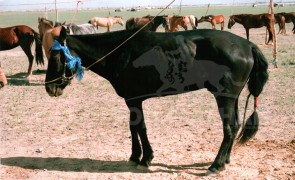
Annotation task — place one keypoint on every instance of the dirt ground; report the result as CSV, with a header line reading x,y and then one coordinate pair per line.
x,y
84,134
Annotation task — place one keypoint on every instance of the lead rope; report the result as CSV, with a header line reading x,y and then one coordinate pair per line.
x,y
87,68
72,20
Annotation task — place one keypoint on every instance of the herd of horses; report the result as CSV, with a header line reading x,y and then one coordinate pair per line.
x,y
146,64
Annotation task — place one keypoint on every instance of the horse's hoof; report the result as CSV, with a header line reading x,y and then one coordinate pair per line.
x,y
132,163
210,173
213,170
143,168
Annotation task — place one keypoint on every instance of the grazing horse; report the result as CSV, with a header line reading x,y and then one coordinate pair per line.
x,y
289,17
253,21
152,64
155,22
23,36
106,22
176,21
213,20
3,80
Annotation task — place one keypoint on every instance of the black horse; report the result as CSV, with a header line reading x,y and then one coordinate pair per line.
x,y
157,64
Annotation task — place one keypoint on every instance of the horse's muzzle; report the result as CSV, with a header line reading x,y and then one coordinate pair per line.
x,y
53,90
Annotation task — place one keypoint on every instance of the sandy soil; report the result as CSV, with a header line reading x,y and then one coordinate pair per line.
x,y
84,134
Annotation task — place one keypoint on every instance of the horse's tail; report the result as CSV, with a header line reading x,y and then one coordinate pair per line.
x,y
257,80
38,49
196,22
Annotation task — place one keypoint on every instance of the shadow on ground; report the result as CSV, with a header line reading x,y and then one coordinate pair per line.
x,y
90,165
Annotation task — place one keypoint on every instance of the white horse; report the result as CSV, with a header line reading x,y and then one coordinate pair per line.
x,y
106,22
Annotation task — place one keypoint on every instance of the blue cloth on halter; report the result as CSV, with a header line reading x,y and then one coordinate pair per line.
x,y
73,63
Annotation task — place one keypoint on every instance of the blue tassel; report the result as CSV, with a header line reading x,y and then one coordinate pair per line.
x,y
73,63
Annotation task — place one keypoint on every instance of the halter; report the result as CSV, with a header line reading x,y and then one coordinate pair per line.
x,y
72,63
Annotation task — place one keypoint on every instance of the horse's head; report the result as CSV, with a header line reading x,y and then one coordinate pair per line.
x,y
202,19
3,80
43,25
231,22
57,75
120,20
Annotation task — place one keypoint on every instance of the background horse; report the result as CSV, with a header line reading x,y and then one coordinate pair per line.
x,y
289,17
3,80
176,21
253,21
136,23
106,22
193,21
280,19
81,29
187,60
213,20
24,37
47,33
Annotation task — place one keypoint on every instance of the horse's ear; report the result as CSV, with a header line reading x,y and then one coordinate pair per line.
x,y
62,35
39,19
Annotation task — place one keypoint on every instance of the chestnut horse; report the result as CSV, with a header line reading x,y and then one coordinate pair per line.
x,y
153,64
23,36
135,22
106,22
47,33
3,80
175,21
213,20
253,21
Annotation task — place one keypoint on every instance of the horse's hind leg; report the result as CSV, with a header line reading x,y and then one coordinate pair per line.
x,y
26,45
235,125
222,26
138,128
226,107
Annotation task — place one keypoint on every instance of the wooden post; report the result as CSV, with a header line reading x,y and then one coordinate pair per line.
x,y
275,50
56,13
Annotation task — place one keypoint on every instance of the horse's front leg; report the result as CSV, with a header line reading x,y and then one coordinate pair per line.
x,y
138,128
247,33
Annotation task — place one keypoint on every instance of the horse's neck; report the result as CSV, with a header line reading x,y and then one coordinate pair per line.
x,y
116,20
239,19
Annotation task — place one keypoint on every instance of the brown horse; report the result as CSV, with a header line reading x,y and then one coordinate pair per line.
x,y
176,21
289,17
47,33
24,37
155,22
106,22
253,21
3,80
280,19
218,19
